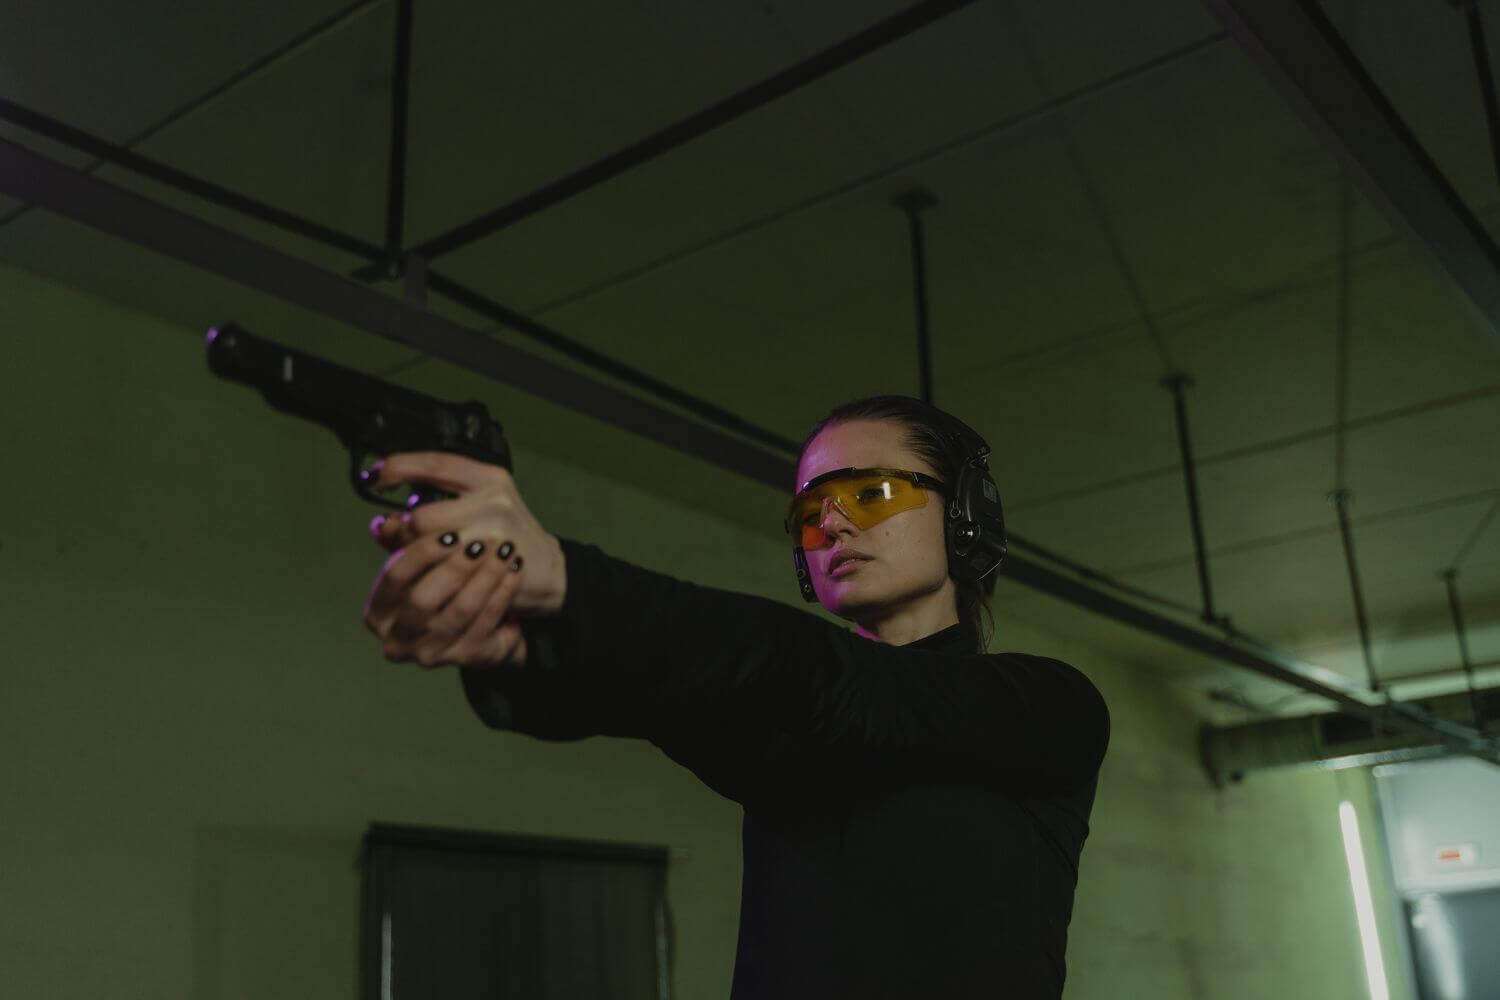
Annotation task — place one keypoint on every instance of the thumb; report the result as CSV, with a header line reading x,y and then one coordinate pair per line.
x,y
389,531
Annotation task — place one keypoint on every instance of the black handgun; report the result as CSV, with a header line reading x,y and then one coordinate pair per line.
x,y
371,417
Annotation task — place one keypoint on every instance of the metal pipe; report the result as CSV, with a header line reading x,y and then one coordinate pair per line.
x,y
1486,78
836,56
395,205
914,203
1341,500
1177,383
1342,325
1450,577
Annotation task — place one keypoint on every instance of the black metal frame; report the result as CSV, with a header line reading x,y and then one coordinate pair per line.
x,y
73,194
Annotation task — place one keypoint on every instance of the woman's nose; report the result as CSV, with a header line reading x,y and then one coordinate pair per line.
x,y
832,502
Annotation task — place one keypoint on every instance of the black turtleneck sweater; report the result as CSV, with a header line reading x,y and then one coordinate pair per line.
x,y
913,815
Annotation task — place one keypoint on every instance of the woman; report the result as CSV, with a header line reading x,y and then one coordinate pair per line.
x,y
914,807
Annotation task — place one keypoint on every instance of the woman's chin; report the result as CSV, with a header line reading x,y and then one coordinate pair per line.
x,y
845,600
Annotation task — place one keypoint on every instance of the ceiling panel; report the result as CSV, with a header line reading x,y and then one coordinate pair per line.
x,y
67,60
1430,456
1078,43
1213,186
935,86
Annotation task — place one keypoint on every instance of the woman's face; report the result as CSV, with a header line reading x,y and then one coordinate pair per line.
x,y
908,560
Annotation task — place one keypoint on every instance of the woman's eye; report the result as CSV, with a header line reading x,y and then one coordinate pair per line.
x,y
872,493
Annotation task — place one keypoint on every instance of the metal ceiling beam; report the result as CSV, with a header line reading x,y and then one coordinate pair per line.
x,y
1303,56
470,299
122,213
127,215
820,64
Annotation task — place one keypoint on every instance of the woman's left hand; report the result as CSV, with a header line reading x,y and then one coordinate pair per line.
x,y
446,595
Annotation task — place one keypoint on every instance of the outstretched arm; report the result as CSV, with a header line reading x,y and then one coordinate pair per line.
x,y
655,657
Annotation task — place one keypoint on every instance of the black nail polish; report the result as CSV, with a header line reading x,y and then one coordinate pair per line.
x,y
447,538
515,567
474,550
505,550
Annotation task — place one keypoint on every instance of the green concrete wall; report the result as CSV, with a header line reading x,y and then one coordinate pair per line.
x,y
198,727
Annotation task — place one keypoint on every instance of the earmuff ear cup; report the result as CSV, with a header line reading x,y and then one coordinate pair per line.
x,y
804,577
975,525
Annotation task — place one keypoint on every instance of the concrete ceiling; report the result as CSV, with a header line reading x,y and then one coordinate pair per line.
x,y
1168,213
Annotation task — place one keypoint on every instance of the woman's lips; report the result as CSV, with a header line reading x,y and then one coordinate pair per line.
x,y
847,567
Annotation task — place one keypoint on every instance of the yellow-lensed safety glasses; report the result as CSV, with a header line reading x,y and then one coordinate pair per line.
x,y
864,496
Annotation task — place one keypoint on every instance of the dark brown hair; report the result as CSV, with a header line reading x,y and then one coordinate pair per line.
x,y
925,436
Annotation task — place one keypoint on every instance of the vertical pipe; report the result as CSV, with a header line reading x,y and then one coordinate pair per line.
x,y
1450,577
416,280
1177,383
395,207
913,203
1486,78
1343,317
1341,500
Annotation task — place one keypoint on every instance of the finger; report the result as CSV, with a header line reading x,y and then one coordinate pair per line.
x,y
402,528
432,594
488,638
452,473
386,530
459,612
447,631
395,530
401,572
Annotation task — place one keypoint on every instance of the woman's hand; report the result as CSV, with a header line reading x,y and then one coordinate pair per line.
x,y
462,570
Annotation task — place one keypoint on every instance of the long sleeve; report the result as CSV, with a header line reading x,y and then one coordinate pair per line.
x,y
639,653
